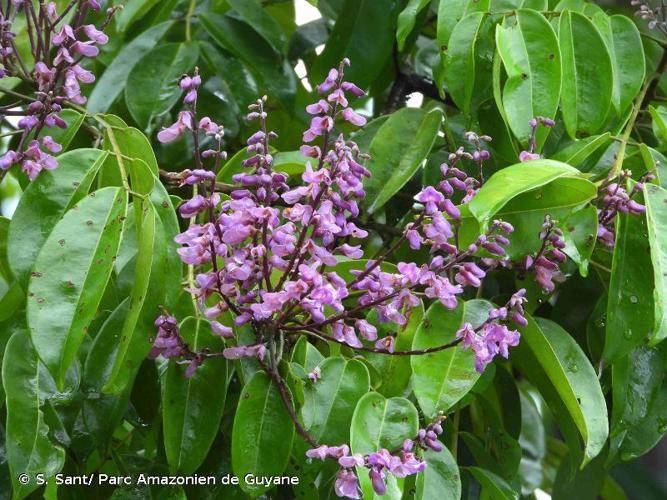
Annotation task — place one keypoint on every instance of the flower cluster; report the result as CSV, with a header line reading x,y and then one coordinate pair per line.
x,y
58,50
654,15
546,263
531,154
168,343
494,337
399,463
614,199
268,253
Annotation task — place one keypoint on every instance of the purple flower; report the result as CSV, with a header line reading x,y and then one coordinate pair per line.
x,y
349,115
350,461
321,452
222,330
245,351
315,374
86,49
183,123
94,34
329,82
347,484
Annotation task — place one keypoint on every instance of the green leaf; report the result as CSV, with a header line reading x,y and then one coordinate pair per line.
x,y
575,153
499,452
532,60
152,85
70,275
460,60
493,486
552,361
395,371
365,35
407,19
235,36
588,78
43,204
580,234
656,161
133,144
112,82
627,57
132,11
5,272
442,378
450,12
101,413
381,423
640,401
441,478
147,294
559,198
330,402
397,151
256,16
630,311
512,181
655,198
262,434
659,116
193,406
28,447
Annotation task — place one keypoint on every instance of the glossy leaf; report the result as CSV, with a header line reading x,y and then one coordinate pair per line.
x,y
69,277
553,362
560,199
655,198
655,161
578,151
630,311
397,151
460,60
450,12
369,49
275,75
493,486
252,13
395,371
28,447
441,379
101,413
407,19
43,204
640,401
151,89
146,296
625,48
531,57
133,10
112,82
441,478
193,406
330,402
579,234
512,181
588,79
262,433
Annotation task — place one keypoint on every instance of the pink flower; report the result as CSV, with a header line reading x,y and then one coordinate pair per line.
x,y
183,123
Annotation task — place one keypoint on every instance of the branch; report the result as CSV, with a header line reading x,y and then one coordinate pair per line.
x,y
415,352
287,402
